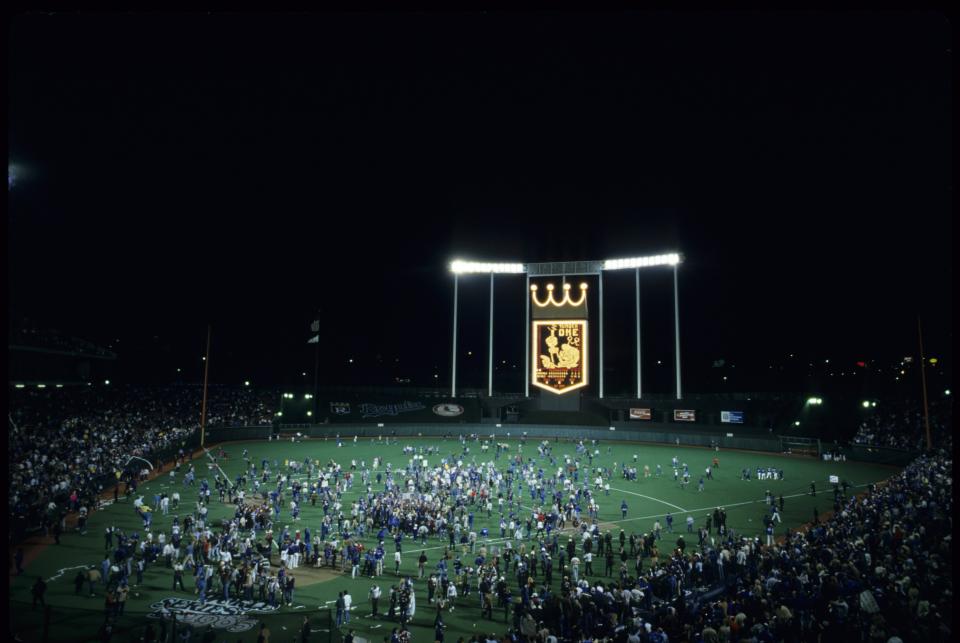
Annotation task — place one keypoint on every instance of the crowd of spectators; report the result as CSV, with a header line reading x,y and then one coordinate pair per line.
x,y
900,425
67,444
879,570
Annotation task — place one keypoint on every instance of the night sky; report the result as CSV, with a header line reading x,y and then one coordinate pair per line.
x,y
249,170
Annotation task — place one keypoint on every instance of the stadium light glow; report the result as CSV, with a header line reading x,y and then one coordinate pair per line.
x,y
866,404
41,386
106,382
797,423
309,413
670,259
246,382
947,392
24,386
475,267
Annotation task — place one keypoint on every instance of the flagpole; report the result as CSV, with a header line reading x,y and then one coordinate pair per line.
x,y
203,407
923,379
316,373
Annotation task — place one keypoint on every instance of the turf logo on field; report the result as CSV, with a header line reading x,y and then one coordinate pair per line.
x,y
232,615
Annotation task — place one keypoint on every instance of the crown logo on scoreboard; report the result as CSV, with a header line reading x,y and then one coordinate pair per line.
x,y
566,302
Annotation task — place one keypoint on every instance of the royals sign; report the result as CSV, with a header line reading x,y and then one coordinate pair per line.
x,y
560,355
559,345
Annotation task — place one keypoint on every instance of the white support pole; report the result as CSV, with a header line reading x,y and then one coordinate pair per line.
x,y
453,375
490,350
600,277
639,362
676,328
526,345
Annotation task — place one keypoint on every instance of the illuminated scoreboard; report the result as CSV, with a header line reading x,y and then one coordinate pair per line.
x,y
559,348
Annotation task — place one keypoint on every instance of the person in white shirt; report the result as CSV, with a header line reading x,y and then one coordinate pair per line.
x,y
452,594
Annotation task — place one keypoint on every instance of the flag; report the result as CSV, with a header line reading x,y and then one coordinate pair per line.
x,y
315,326
314,340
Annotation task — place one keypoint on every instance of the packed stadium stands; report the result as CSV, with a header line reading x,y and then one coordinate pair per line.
x,y
75,439
900,424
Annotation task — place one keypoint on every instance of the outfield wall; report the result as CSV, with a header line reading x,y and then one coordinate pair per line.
x,y
548,432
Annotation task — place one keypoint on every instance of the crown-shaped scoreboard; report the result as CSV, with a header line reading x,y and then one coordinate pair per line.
x,y
559,346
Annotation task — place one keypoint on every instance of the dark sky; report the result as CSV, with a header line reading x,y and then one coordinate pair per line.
x,y
247,170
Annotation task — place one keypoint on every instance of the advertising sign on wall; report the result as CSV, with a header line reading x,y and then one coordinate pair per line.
x,y
684,415
731,417
640,414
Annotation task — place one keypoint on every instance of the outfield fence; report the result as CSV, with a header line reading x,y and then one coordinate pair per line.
x,y
618,433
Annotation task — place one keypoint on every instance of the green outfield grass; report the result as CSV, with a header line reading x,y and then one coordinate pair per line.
x,y
77,618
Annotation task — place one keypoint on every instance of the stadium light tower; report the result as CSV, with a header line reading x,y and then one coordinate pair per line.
x,y
459,267
636,263
564,269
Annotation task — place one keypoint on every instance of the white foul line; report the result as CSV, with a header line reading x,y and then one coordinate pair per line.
x,y
650,498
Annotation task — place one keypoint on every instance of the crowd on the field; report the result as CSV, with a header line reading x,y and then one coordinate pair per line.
x,y
66,445
901,425
877,570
